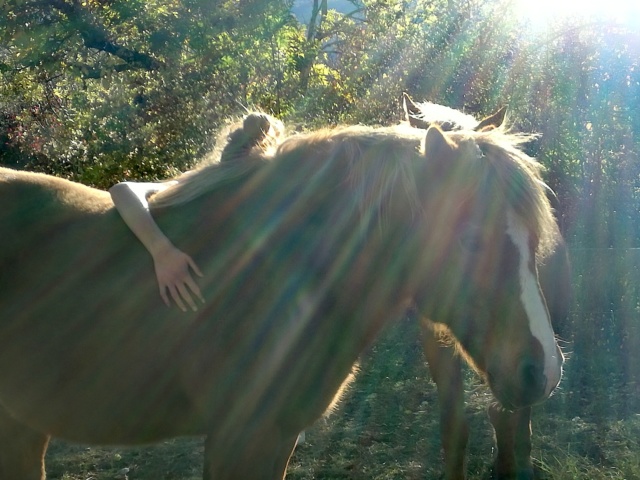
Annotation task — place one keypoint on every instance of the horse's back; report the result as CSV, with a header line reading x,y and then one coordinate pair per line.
x,y
78,304
64,238
36,205
51,229
21,184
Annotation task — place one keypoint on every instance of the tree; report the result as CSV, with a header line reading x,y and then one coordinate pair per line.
x,y
105,90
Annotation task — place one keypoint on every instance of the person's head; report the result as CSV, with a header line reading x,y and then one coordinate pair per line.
x,y
258,130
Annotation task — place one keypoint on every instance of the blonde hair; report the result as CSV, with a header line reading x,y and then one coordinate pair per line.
x,y
241,147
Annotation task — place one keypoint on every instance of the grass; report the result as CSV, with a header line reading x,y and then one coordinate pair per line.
x,y
387,427
172,460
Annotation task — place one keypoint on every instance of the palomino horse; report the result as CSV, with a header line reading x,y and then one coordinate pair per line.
x,y
309,251
512,427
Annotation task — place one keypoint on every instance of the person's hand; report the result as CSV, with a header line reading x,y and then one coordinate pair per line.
x,y
173,270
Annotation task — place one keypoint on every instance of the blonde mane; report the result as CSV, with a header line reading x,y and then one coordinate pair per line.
x,y
376,164
519,177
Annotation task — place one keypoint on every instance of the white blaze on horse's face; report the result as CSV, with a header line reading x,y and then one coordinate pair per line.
x,y
534,304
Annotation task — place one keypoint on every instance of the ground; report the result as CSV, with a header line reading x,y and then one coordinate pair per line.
x,y
387,428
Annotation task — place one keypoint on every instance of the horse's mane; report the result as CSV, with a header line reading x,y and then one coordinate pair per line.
x,y
378,163
449,118
370,170
519,177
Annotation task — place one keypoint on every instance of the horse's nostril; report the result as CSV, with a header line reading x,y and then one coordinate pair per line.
x,y
532,376
519,387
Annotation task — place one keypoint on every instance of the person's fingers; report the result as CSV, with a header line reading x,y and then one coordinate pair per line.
x,y
194,267
163,294
186,296
194,288
176,298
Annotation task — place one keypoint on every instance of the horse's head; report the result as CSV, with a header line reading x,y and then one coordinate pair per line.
x,y
427,114
487,220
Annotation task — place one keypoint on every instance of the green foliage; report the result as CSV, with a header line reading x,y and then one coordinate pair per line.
x,y
102,91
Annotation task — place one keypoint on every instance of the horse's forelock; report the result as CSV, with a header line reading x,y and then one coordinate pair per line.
x,y
520,179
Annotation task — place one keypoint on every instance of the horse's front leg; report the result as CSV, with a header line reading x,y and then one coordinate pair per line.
x,y
263,456
446,371
21,450
513,442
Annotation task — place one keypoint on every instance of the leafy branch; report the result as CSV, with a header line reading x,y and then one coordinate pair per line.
x,y
96,37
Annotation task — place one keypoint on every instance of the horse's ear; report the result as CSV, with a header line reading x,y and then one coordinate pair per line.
x,y
436,145
412,113
409,107
492,121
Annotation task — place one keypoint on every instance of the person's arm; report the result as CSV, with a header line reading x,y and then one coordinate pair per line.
x,y
171,264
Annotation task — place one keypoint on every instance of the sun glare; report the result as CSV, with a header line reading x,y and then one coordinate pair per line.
x,y
545,12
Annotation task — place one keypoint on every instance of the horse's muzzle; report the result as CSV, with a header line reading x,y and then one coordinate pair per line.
x,y
528,383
